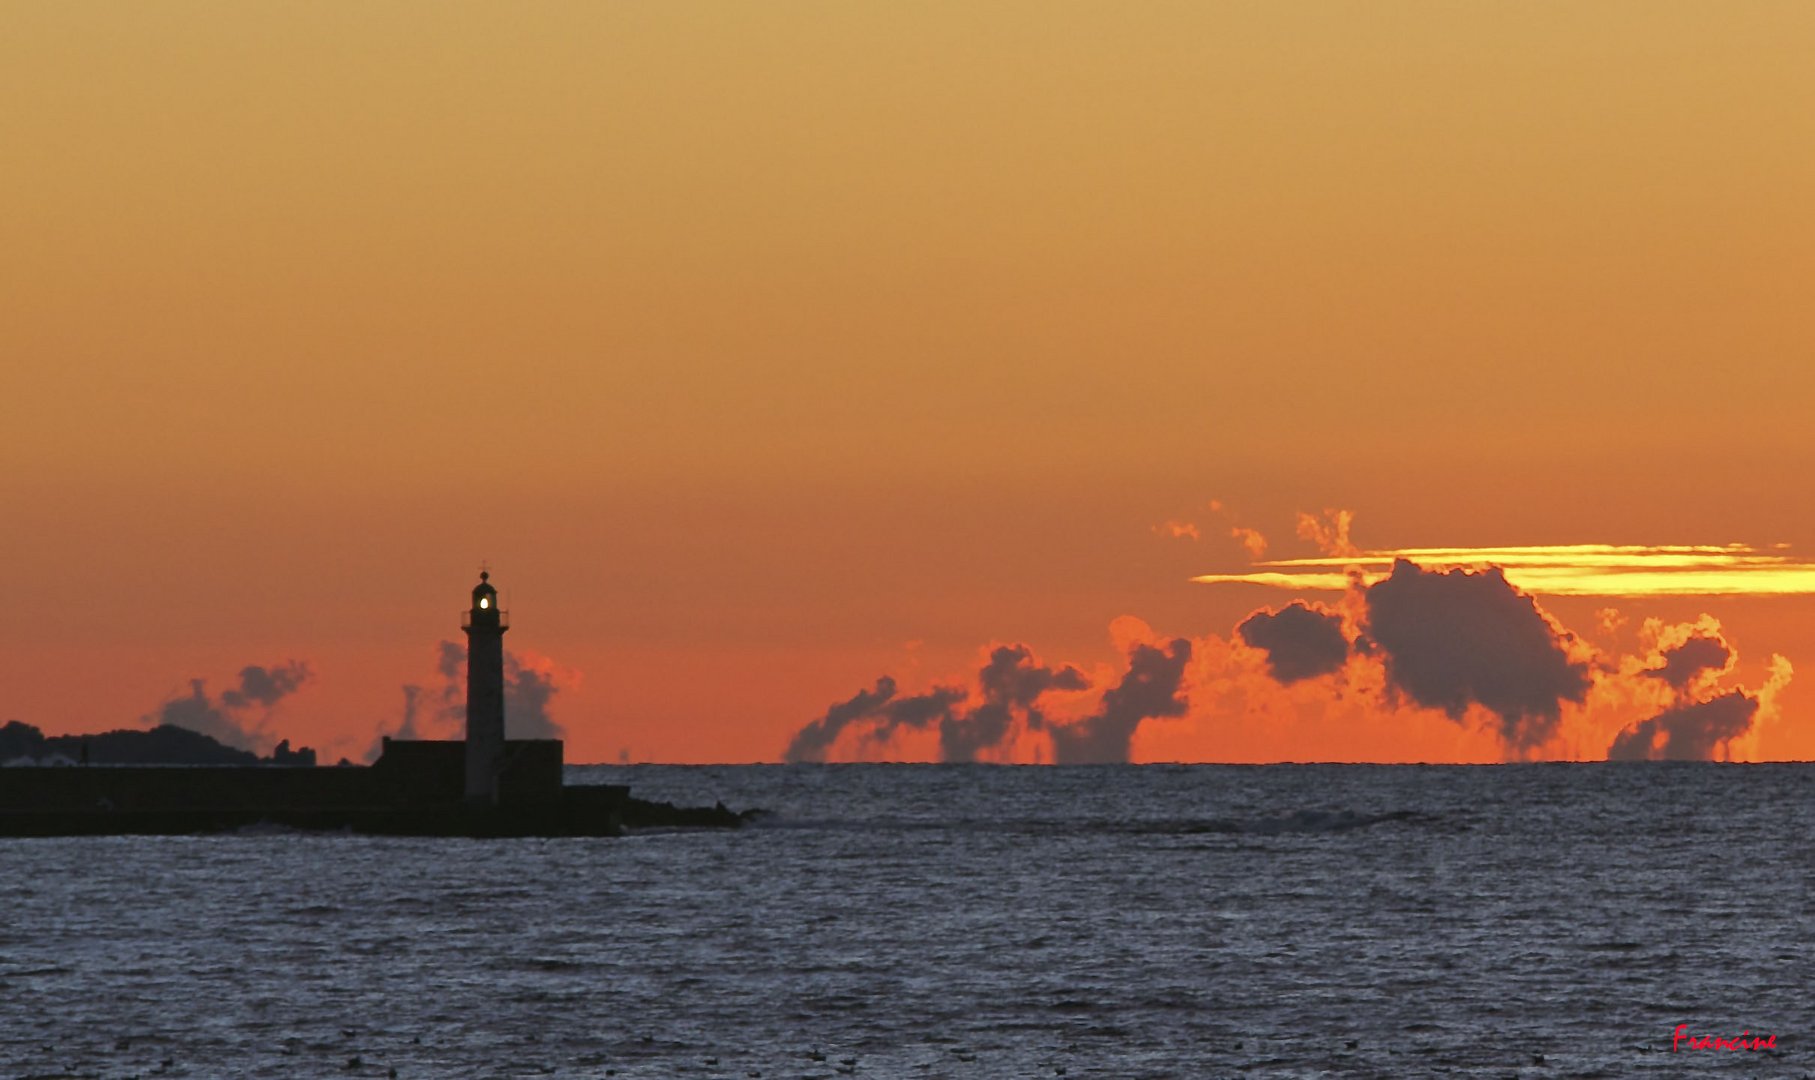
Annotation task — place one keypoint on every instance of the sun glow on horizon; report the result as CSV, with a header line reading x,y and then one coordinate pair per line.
x,y
1626,570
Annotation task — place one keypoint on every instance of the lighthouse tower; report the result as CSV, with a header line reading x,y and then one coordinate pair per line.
x,y
485,626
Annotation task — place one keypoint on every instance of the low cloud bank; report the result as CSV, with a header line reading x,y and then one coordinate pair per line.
x,y
240,716
1010,687
1406,651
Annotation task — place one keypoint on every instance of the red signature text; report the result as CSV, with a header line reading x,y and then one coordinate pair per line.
x,y
1745,1041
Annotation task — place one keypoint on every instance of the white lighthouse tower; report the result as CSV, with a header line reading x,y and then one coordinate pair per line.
x,y
485,626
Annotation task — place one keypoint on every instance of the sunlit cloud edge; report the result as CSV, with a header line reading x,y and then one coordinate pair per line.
x,y
1612,570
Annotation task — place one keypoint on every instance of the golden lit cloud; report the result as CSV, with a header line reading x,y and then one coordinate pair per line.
x,y
1564,569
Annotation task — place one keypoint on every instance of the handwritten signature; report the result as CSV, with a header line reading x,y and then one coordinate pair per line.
x,y
1745,1041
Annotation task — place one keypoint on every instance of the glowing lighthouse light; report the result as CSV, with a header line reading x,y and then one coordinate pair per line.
x,y
485,601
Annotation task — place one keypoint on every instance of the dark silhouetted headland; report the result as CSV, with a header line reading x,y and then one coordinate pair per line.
x,y
166,744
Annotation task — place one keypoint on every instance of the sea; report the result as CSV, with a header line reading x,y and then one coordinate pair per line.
x,y
1535,920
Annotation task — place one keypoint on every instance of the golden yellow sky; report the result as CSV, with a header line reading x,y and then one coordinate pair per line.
x,y
752,343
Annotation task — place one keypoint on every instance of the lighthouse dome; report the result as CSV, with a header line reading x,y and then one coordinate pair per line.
x,y
485,597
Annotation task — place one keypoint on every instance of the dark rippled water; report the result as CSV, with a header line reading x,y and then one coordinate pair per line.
x,y
928,921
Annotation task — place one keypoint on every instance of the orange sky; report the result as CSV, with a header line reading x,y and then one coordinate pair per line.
x,y
766,349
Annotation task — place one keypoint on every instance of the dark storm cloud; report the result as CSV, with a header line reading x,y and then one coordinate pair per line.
x,y
1457,638
1694,656
1300,642
1011,681
1687,732
236,716
1152,687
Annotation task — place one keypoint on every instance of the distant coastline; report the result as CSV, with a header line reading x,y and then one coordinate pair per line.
x,y
166,744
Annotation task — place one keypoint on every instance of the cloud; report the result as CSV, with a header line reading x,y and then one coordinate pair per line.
x,y
410,728
1251,539
878,711
1152,687
1011,683
1692,659
450,661
1435,664
1300,642
442,716
1610,620
412,705
200,712
917,712
531,682
1329,533
1611,570
1691,732
812,742
1010,686
237,718
1697,718
265,686
1457,638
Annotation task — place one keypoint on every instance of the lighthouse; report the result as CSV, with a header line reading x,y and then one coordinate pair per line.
x,y
485,626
